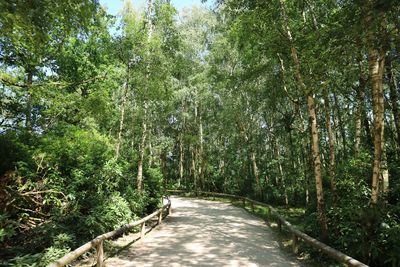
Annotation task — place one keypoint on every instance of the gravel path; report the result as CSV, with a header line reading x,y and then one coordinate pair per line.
x,y
206,233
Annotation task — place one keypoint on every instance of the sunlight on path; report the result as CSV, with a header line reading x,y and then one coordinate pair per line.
x,y
206,233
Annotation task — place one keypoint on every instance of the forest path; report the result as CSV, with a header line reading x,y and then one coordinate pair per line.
x,y
206,233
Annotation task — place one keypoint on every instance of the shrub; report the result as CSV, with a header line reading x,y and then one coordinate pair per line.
x,y
111,213
137,201
153,185
52,254
7,227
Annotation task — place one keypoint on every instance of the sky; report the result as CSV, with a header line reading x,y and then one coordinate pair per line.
x,y
113,6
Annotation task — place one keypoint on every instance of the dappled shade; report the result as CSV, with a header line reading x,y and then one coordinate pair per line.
x,y
206,233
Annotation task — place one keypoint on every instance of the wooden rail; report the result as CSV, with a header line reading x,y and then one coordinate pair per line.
x,y
296,234
97,242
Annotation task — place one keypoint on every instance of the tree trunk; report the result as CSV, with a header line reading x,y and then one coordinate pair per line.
x,y
360,107
341,125
376,61
148,19
393,100
121,121
331,143
376,64
142,148
28,112
151,153
361,111
201,150
194,171
255,172
181,155
280,169
314,128
142,145
357,131
317,166
306,179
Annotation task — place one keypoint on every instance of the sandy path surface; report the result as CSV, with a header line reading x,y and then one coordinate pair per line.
x,y
206,233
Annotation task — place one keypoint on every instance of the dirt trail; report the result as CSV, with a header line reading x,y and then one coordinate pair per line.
x,y
206,233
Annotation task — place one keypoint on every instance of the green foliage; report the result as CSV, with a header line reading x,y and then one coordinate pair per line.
x,y
27,260
7,227
356,228
137,200
62,88
13,150
109,214
215,92
51,254
154,187
366,232
40,259
58,245
78,149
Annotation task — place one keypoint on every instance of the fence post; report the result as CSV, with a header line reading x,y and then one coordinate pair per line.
x,y
252,206
269,215
142,230
295,244
244,202
100,254
279,225
160,217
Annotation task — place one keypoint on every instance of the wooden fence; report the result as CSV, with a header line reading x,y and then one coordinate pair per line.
x,y
296,234
97,242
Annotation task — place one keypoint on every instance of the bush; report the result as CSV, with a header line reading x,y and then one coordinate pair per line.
x,y
137,201
7,227
111,213
154,186
52,254
27,260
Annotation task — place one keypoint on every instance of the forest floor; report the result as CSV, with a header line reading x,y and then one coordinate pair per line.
x,y
205,233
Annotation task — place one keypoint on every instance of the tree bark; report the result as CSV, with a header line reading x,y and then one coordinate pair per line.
x,y
331,143
360,111
151,153
393,100
181,155
142,145
148,19
341,125
201,150
376,64
314,128
193,167
317,166
255,172
376,61
142,148
28,112
121,121
281,174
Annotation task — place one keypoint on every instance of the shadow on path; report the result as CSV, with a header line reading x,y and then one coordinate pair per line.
x,y
206,233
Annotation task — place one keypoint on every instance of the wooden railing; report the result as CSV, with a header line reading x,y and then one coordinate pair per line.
x,y
296,234
97,242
